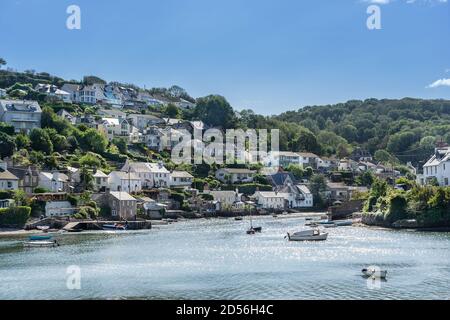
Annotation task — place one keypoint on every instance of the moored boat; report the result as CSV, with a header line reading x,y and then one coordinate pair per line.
x,y
343,223
41,243
39,237
308,235
115,226
374,272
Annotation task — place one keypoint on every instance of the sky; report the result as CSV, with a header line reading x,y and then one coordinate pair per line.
x,y
267,55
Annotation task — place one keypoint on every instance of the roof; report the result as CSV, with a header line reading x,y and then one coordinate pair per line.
x,y
111,121
62,177
20,106
307,155
99,174
285,153
440,155
181,174
145,167
122,195
304,189
271,194
237,170
6,175
125,175
21,172
279,178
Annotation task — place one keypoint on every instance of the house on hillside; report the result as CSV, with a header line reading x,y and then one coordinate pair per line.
x,y
124,181
53,91
143,121
270,200
308,159
152,175
122,205
235,175
181,179
437,167
360,154
67,115
226,199
54,181
100,180
8,181
119,128
28,177
23,115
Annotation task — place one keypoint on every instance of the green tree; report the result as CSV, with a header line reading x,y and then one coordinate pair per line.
x,y
296,170
6,128
215,110
95,141
40,141
7,145
22,141
2,62
172,111
121,144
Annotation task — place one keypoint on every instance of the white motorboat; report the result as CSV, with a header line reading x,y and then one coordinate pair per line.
x,y
308,235
374,273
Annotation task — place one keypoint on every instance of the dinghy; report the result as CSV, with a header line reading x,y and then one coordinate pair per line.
x,y
314,234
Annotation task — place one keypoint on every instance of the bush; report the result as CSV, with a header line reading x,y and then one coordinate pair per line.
x,y
14,216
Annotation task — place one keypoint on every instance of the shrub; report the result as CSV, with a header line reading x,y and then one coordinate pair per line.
x,y
14,216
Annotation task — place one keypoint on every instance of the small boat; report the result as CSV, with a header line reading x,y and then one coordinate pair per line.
x,y
325,222
374,272
343,223
275,215
39,238
115,226
314,234
253,229
238,218
43,228
41,243
331,225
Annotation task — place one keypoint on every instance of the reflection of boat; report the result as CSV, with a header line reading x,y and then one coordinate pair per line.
x,y
374,272
115,226
40,241
308,235
238,218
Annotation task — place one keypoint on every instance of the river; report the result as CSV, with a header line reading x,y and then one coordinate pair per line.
x,y
216,259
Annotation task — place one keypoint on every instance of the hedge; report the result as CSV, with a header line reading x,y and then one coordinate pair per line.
x,y
14,216
249,188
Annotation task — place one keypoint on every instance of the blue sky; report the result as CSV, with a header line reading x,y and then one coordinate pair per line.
x,y
268,55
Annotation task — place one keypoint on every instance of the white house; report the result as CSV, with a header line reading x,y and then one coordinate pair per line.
x,y
151,174
124,181
226,199
53,91
54,181
8,181
58,208
100,180
438,166
118,128
23,115
297,196
270,200
181,179
235,175
143,121
281,159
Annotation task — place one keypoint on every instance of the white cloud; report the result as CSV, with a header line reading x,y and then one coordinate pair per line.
x,y
440,83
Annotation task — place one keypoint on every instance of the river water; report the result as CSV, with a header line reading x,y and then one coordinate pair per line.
x,y
216,259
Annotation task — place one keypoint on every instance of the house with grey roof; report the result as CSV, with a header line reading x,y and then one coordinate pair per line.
x,y
23,115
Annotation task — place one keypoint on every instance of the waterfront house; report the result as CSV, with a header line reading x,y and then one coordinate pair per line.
x,y
21,114
437,167
270,200
121,204
8,181
28,177
235,175
53,91
100,180
124,181
296,195
337,191
226,199
181,179
58,208
54,181
152,175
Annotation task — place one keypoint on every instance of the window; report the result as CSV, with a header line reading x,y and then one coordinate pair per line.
x,y
446,181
